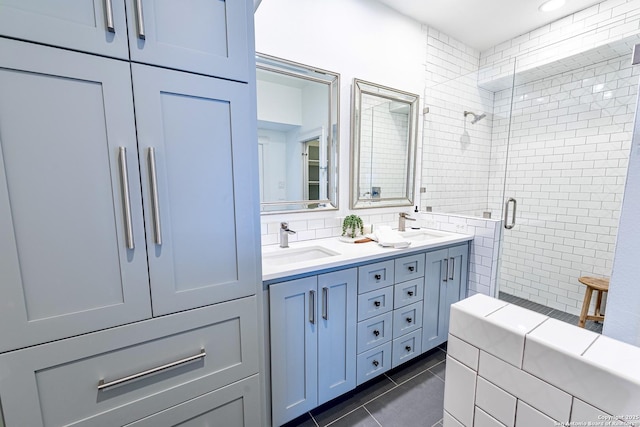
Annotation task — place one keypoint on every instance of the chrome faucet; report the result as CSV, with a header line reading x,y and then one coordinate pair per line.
x,y
401,220
284,234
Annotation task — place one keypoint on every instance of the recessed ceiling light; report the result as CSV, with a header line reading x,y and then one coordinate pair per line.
x,y
550,5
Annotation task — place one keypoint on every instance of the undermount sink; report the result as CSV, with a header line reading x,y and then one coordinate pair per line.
x,y
422,234
293,255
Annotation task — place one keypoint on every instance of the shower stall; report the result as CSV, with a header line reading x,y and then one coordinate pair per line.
x,y
539,143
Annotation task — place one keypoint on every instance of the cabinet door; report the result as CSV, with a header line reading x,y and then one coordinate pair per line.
x,y
294,348
433,332
337,333
215,41
66,267
454,288
200,233
445,284
78,25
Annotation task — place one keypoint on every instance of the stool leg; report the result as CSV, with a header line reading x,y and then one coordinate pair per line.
x,y
598,303
585,307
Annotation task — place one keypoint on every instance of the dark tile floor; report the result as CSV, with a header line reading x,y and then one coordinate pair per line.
x,y
410,395
551,312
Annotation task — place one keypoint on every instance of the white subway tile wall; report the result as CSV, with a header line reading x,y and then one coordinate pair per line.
x,y
455,153
511,396
568,156
604,23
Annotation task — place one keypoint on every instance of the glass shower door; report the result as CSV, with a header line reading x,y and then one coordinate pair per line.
x,y
569,138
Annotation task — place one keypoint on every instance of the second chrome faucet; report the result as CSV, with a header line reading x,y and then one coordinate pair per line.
x,y
403,217
284,234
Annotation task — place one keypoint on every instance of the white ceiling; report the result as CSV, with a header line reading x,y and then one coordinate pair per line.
x,y
484,23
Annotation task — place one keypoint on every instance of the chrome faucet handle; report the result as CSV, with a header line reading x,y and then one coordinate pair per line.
x,y
406,216
284,226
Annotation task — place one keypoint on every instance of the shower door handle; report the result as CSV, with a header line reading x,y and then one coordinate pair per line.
x,y
513,213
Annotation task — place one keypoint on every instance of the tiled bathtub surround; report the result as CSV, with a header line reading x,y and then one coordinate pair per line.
x,y
508,366
483,259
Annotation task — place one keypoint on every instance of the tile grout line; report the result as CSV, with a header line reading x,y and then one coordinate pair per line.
x,y
374,418
313,419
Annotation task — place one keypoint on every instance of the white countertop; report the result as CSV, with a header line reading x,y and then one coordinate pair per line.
x,y
348,253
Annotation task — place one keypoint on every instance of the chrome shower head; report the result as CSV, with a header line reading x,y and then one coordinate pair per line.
x,y
476,117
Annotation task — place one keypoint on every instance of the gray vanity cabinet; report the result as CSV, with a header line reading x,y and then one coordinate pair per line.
x,y
205,37
313,341
445,283
77,25
192,153
67,147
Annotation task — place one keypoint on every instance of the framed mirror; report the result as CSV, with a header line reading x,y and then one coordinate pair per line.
x,y
383,134
297,136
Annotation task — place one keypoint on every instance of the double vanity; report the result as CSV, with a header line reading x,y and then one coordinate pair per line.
x,y
341,313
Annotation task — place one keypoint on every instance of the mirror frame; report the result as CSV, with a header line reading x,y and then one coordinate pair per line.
x,y
361,87
332,133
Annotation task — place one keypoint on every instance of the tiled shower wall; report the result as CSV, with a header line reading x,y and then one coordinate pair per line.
x,y
568,155
455,153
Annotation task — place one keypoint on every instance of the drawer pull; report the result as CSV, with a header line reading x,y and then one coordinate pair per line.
x,y
375,363
376,332
102,385
409,320
408,348
411,268
376,303
410,293
377,277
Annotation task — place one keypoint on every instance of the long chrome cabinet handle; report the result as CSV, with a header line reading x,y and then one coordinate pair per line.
x,y
325,303
513,214
452,267
155,205
140,20
102,385
108,12
126,201
446,269
312,307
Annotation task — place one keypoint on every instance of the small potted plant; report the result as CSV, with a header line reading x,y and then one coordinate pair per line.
x,y
352,226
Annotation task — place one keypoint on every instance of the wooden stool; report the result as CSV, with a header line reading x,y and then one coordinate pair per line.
x,y
593,284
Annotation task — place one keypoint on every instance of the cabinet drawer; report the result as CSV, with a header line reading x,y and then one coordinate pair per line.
x,y
408,292
58,383
374,362
375,331
375,302
407,319
407,347
409,267
233,405
375,276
